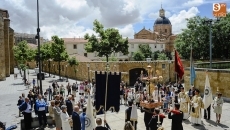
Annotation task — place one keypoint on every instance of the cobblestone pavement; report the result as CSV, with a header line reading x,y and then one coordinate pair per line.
x,y
11,89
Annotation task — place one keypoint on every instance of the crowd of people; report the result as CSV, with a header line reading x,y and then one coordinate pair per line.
x,y
67,112
178,104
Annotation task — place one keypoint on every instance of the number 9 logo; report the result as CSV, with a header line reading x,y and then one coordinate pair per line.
x,y
216,7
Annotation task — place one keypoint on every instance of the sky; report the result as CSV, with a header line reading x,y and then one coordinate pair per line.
x,y
74,18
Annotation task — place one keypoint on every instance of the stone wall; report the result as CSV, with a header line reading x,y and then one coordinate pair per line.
x,y
11,45
6,46
6,42
82,70
217,78
2,50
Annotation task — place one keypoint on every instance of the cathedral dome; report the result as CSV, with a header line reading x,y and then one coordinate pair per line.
x,y
162,20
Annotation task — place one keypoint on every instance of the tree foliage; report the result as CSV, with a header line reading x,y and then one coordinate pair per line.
x,y
197,36
58,49
155,55
146,50
22,52
110,41
138,56
112,58
162,56
73,61
46,51
59,52
23,67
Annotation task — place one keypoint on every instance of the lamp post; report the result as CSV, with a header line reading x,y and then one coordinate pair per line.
x,y
88,65
49,66
54,71
169,69
210,22
39,56
66,73
163,69
149,67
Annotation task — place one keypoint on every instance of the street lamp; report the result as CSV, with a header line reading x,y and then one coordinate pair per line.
x,y
149,68
39,58
169,61
54,71
65,73
49,66
163,69
88,65
210,22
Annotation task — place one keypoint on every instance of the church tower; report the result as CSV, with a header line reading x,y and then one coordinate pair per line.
x,y
162,12
162,25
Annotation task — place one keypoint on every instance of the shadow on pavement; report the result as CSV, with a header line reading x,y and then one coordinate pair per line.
x,y
199,127
211,122
186,121
223,126
18,84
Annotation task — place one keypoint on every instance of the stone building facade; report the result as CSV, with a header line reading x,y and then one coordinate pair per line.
x,y
162,32
219,80
6,45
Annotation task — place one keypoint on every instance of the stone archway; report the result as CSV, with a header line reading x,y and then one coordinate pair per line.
x,y
134,75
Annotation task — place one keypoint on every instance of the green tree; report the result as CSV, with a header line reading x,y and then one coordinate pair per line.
x,y
110,41
162,56
58,52
112,58
145,49
197,36
45,52
155,55
23,54
73,61
138,56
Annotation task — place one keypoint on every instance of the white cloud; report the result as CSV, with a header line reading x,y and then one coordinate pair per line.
x,y
228,10
179,22
127,31
192,3
74,18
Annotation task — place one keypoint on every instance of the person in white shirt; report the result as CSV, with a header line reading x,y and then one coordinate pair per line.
x,y
41,108
172,95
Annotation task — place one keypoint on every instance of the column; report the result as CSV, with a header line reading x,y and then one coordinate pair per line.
x,y
6,42
2,50
11,45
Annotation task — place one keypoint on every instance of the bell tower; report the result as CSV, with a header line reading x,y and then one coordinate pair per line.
x,y
162,12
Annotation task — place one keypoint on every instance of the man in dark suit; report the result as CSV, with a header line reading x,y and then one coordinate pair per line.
x,y
177,118
153,123
207,113
69,105
27,109
20,101
99,123
147,117
179,86
128,114
76,119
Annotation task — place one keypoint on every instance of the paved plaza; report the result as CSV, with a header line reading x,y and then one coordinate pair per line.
x,y
12,88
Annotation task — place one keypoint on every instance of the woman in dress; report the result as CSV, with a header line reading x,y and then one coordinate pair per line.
x,y
57,115
217,106
65,118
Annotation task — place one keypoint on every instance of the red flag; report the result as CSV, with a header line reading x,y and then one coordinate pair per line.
x,y
179,69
